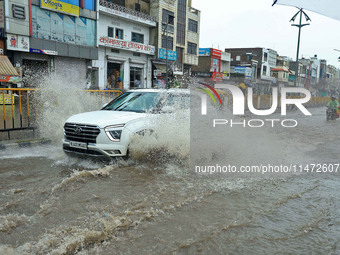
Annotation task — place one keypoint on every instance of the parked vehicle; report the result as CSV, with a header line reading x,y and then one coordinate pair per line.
x,y
108,132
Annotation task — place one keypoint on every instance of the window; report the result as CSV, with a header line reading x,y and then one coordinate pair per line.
x,y
139,38
136,77
265,56
193,25
168,42
137,7
181,20
168,17
180,33
264,72
192,48
110,31
169,27
119,34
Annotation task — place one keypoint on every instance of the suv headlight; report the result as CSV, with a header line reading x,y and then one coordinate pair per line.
x,y
114,132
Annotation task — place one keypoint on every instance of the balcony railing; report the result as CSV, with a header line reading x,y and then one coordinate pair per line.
x,y
123,9
194,11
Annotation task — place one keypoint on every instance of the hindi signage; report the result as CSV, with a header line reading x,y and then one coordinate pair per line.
x,y
127,45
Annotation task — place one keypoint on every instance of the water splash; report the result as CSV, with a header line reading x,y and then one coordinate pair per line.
x,y
58,100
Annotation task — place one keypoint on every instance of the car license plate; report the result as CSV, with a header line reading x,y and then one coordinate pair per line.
x,y
78,145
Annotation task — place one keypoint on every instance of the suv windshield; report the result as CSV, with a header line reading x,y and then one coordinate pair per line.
x,y
147,101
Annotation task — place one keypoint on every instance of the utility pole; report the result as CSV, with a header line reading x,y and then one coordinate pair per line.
x,y
298,44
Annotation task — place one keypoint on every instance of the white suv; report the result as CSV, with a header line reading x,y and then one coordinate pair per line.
x,y
108,132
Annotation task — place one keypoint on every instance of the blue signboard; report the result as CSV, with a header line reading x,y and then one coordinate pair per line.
x,y
240,69
172,55
204,52
244,70
40,51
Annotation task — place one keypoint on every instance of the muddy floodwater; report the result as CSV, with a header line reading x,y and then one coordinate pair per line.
x,y
53,204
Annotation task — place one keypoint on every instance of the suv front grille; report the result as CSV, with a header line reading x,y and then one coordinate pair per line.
x,y
81,132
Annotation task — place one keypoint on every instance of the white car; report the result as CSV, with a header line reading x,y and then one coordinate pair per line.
x,y
108,132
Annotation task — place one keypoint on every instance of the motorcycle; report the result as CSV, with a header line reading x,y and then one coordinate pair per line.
x,y
330,113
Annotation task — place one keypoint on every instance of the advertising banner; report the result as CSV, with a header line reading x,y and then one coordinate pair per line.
x,y
59,6
216,53
18,42
8,99
9,78
204,51
157,72
40,51
244,70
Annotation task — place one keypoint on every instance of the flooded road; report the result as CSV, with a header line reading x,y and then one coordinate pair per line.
x,y
53,204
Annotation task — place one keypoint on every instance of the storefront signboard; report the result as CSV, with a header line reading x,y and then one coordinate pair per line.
x,y
58,6
172,55
127,45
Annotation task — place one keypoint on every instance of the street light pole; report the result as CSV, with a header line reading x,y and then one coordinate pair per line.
x,y
298,44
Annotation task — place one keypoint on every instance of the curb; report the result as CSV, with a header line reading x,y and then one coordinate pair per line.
x,y
23,143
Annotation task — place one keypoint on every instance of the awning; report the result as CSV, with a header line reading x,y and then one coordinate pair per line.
x,y
7,71
160,67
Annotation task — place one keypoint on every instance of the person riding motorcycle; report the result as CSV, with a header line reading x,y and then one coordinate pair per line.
x,y
332,105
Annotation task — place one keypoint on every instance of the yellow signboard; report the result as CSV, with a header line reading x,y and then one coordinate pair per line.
x,y
7,99
59,6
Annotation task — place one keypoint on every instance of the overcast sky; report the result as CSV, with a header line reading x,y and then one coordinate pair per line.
x,y
255,23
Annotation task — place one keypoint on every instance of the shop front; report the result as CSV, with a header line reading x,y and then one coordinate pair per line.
x,y
9,77
123,64
114,75
136,74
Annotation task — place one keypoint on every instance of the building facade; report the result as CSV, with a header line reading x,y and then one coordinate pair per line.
x,y
225,65
176,38
282,72
125,53
211,65
254,64
51,37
